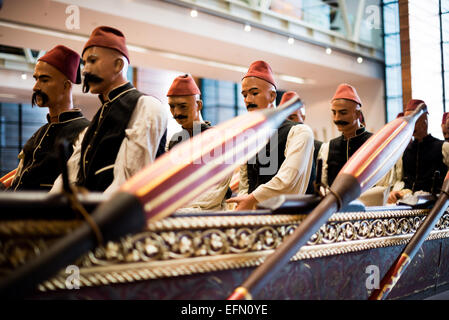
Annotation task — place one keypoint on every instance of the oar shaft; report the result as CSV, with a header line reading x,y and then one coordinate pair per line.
x,y
400,265
369,163
288,248
115,218
345,188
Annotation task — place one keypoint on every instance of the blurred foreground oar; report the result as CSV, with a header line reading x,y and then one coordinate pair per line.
x,y
172,181
401,263
367,166
6,180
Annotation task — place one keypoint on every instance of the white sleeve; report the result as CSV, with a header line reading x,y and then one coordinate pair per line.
x,y
212,199
142,137
72,164
323,155
294,173
243,183
445,151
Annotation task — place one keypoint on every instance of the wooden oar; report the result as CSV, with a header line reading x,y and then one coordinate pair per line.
x,y
172,181
367,166
401,263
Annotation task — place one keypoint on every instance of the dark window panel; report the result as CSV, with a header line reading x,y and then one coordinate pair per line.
x,y
10,135
9,112
8,159
34,114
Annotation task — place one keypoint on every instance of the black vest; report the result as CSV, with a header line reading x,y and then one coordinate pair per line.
x,y
183,135
340,150
260,172
41,157
420,161
104,137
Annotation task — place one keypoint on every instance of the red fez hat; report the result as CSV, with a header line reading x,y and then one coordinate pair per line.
x,y
107,37
183,86
445,115
348,92
287,96
262,70
65,60
413,104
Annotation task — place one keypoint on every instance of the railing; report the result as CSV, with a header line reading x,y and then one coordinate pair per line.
x,y
352,26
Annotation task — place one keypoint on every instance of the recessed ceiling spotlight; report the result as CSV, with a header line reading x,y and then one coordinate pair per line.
x,y
24,76
328,50
359,60
193,13
247,27
291,40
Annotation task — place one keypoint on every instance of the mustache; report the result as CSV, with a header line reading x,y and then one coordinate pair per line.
x,y
341,123
89,77
42,95
251,106
180,117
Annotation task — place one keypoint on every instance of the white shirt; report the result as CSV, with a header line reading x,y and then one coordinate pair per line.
x,y
294,174
145,129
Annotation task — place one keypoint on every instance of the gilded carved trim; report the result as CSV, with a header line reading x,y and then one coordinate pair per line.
x,y
184,245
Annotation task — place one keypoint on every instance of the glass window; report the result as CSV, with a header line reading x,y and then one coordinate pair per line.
x,y
391,17
221,100
18,122
34,115
394,107
444,6
394,83
392,49
8,160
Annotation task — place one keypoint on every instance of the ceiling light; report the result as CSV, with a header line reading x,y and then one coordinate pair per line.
x,y
247,28
291,79
24,76
194,13
7,95
291,40
328,50
359,60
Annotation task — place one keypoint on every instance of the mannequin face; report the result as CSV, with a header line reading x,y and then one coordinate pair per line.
x,y
345,115
257,93
102,66
51,85
297,116
185,110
